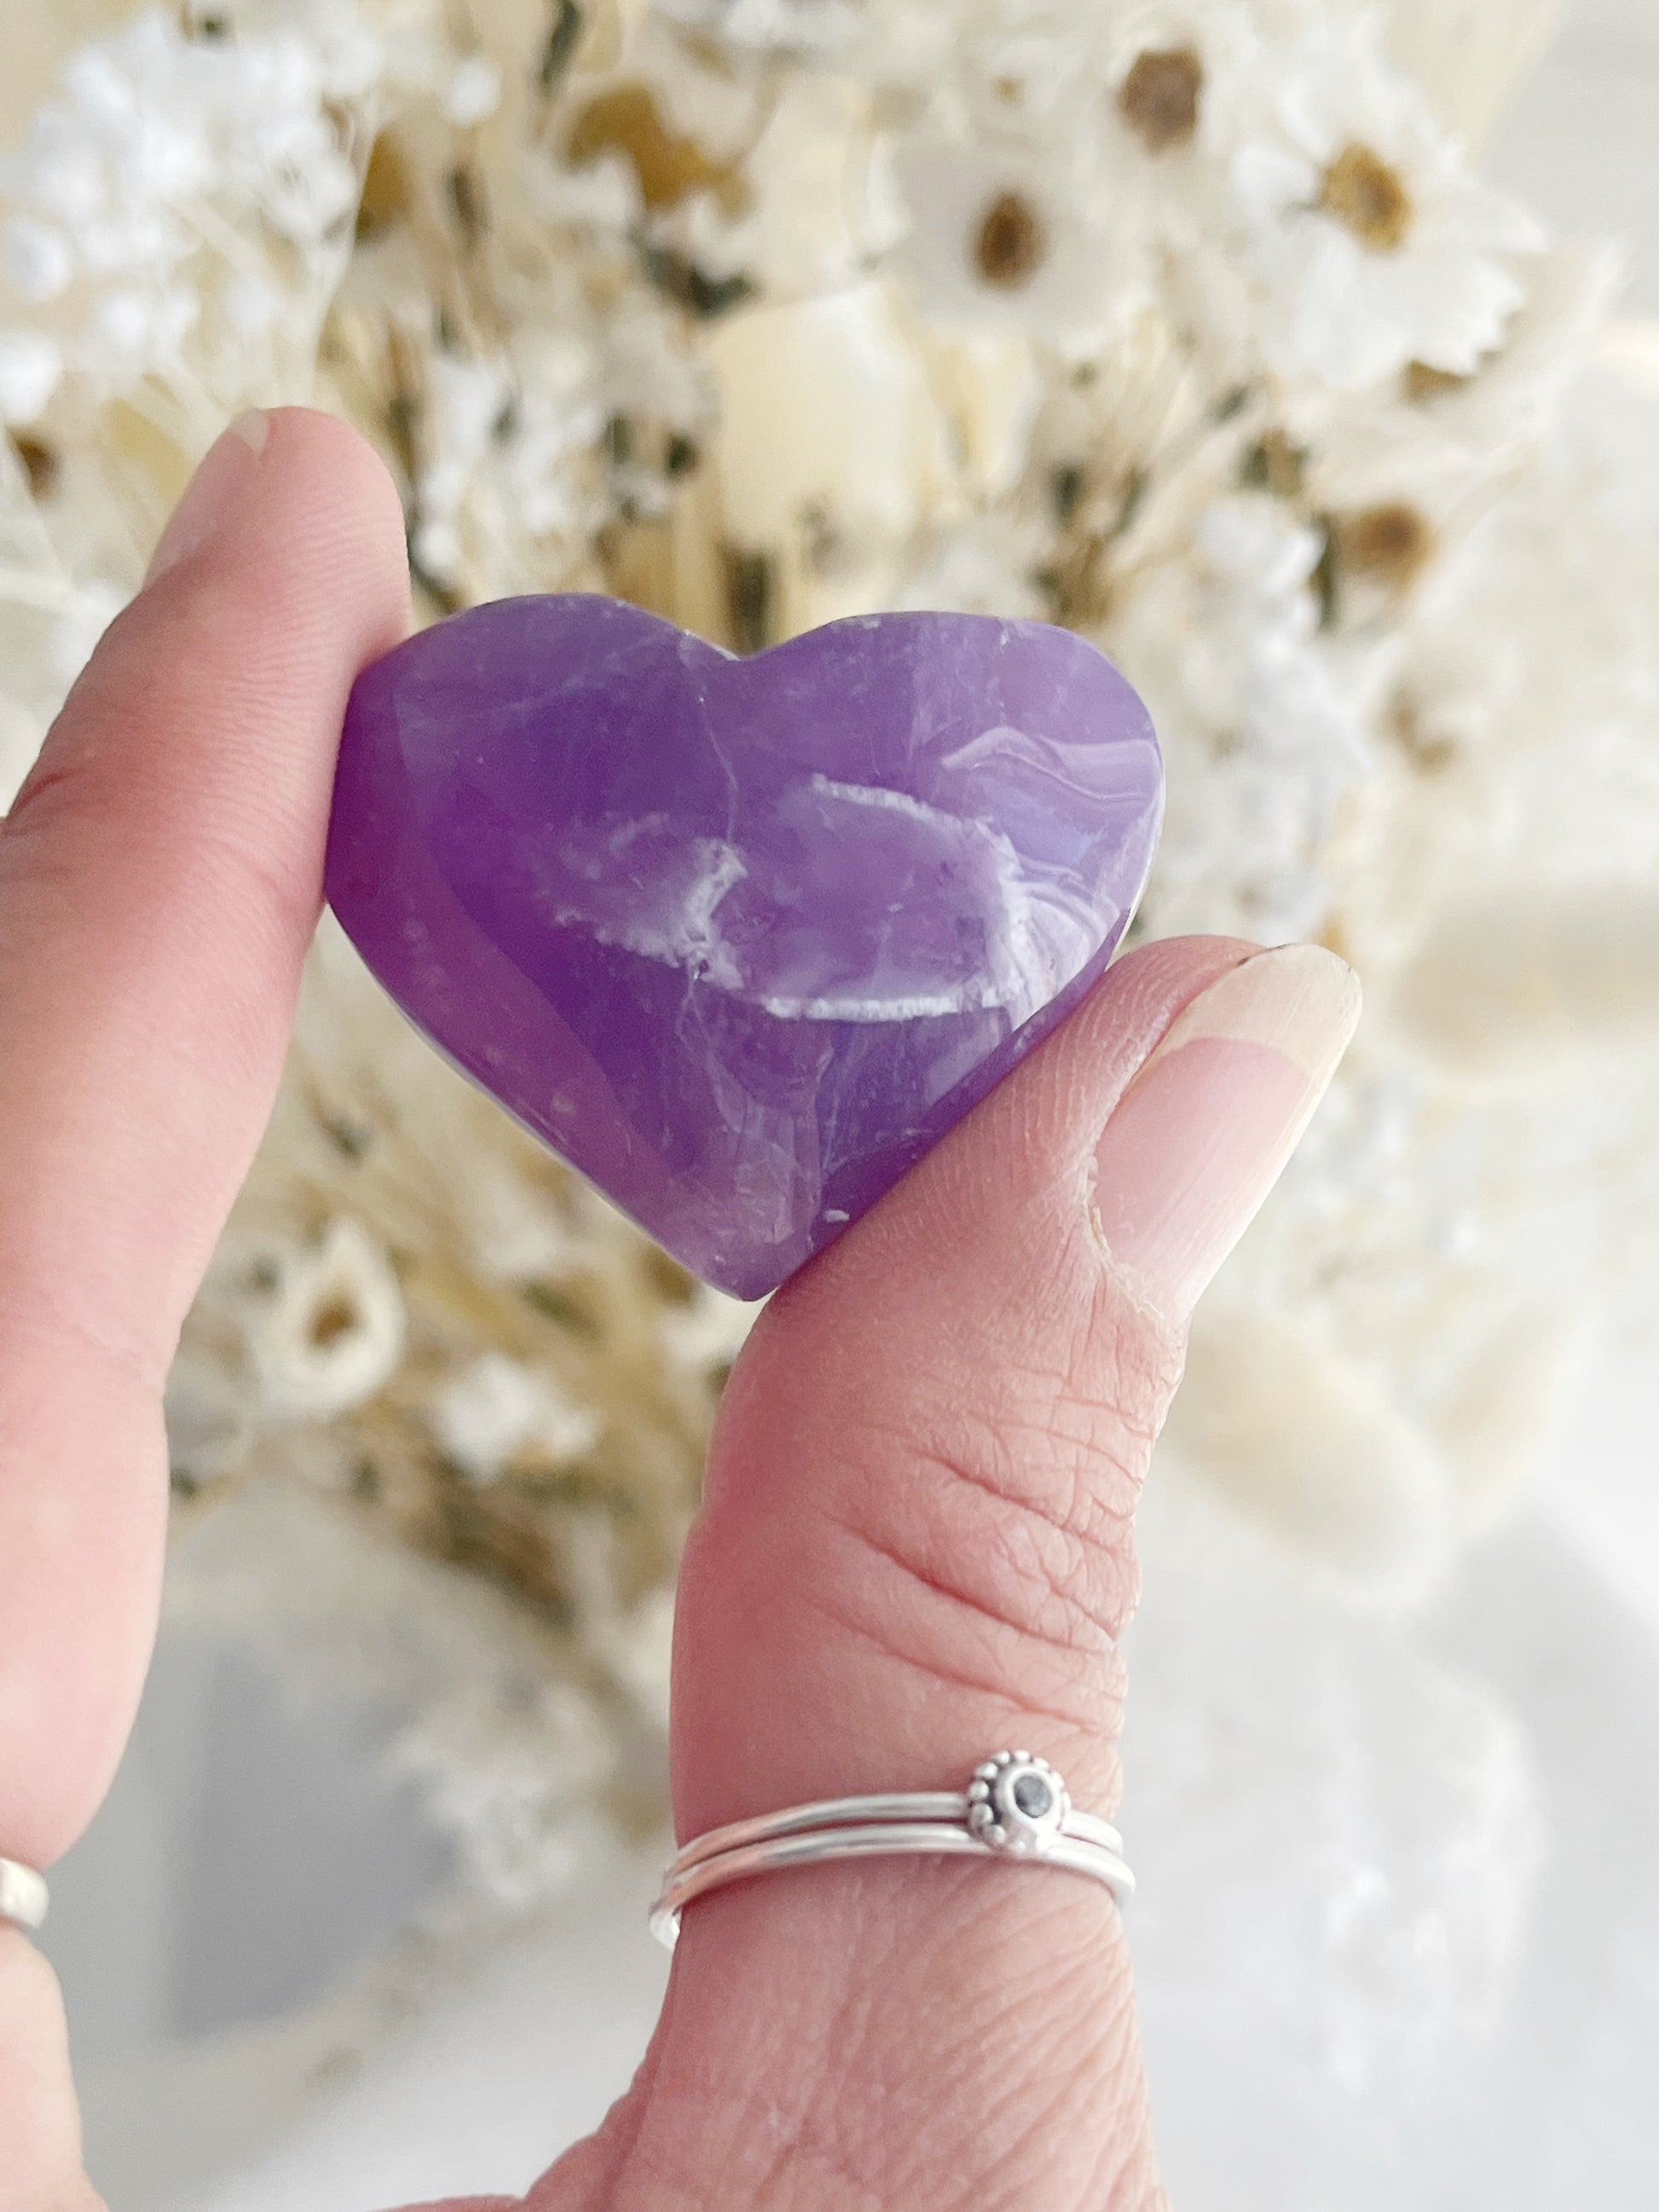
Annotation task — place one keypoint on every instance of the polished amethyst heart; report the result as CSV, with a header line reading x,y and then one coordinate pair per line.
x,y
740,938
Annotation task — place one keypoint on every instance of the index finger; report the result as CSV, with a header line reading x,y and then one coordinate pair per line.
x,y
160,879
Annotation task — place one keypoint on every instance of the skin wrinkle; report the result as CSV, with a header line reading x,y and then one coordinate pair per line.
x,y
1054,2057
1065,1666
141,1367
1013,1709
1055,1571
1004,1558
812,2152
1089,1513
1045,2036
1085,1396
749,2122
1039,2099
774,2186
778,2148
1095,1480
860,2147
1090,1572
101,792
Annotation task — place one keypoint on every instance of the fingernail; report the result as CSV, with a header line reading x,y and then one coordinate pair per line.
x,y
1203,1130
211,493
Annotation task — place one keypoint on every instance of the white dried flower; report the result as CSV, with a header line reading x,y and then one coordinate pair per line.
x,y
1003,239
517,1233
496,1407
38,259
31,365
1262,738
514,1777
324,1325
804,26
984,567
473,92
467,400
165,170
1372,244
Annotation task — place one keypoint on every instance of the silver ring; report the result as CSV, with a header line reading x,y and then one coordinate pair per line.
x,y
1016,1808
22,1895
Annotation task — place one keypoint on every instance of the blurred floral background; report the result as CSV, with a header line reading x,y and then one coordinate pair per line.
x,y
1195,327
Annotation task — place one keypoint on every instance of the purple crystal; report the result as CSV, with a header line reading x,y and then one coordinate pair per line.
x,y
739,938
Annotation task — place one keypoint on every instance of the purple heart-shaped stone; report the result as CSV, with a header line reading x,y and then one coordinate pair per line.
x,y
739,938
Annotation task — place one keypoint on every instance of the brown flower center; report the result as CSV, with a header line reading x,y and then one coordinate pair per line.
x,y
333,1320
1425,383
1275,464
1369,197
1389,545
40,463
1158,99
384,197
1010,243
626,120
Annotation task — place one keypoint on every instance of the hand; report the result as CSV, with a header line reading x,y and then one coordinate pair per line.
x,y
916,1546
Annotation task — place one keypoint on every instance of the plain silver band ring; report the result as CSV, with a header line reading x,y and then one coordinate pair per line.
x,y
22,1895
947,1805
1016,1807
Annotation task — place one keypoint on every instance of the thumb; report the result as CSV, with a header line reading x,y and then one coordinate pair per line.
x,y
915,1550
